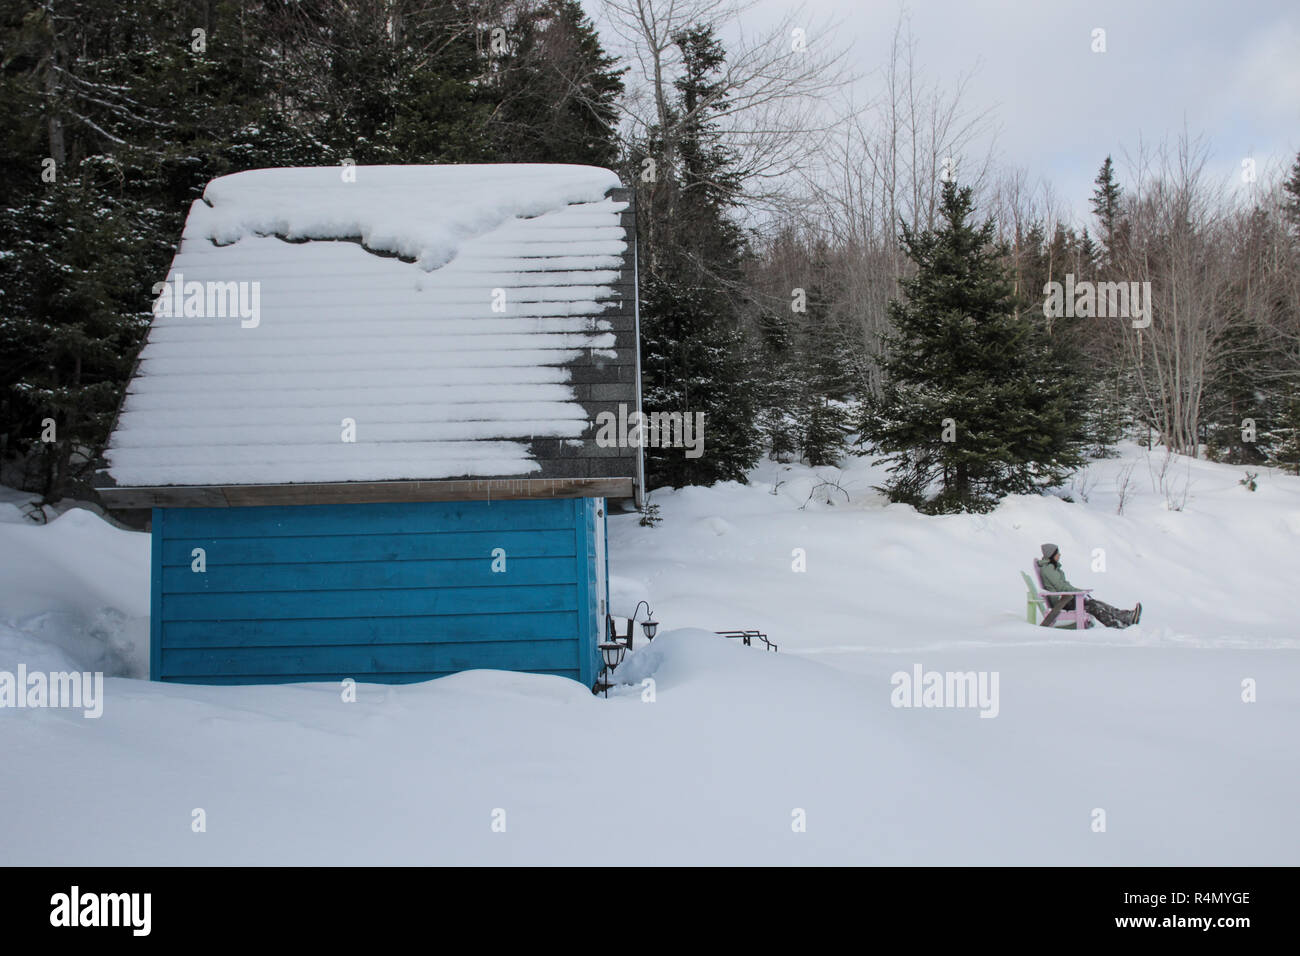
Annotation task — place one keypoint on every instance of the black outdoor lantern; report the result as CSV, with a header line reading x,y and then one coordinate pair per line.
x,y
613,656
649,625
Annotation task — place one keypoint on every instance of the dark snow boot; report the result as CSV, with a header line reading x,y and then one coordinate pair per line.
x,y
1106,614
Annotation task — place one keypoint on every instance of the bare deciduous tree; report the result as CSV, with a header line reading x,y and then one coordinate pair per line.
x,y
769,99
885,164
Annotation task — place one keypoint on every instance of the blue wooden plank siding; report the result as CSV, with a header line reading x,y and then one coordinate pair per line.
x,y
376,592
589,601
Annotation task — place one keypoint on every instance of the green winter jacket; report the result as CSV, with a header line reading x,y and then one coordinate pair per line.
x,y
1053,576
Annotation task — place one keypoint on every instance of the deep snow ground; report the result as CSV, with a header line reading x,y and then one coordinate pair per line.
x,y
1219,573
711,772
1147,724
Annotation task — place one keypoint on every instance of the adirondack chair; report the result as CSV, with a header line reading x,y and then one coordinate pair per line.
x,y
1039,600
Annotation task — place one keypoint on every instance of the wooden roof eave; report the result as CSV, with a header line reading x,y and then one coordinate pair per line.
x,y
362,492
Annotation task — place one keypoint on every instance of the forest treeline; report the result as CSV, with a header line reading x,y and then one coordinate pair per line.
x,y
818,277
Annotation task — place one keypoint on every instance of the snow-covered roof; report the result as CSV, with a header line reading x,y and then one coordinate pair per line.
x,y
436,307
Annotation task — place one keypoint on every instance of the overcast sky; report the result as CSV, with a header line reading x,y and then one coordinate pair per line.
x,y
1229,70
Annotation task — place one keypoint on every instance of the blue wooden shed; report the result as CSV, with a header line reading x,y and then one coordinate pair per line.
x,y
365,421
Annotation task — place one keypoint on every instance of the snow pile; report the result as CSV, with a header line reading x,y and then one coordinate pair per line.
x,y
413,324
420,213
75,594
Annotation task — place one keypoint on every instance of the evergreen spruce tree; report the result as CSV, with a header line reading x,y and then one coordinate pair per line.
x,y
1072,346
778,391
554,90
1236,386
1291,197
694,354
72,332
1088,253
826,379
1116,398
80,223
1286,433
1106,206
1286,449
974,401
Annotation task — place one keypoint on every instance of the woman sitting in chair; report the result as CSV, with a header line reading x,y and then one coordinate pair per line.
x,y
1053,578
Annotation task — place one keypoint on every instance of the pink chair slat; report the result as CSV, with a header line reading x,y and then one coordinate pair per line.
x,y
1080,613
